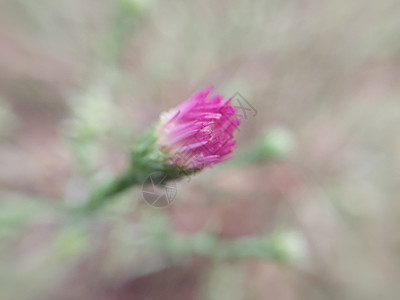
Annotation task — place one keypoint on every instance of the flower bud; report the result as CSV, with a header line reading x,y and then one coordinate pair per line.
x,y
199,132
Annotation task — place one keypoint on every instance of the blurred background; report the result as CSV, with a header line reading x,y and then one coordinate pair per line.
x,y
309,207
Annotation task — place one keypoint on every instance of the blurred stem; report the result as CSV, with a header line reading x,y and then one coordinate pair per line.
x,y
93,108
119,32
116,186
145,159
141,165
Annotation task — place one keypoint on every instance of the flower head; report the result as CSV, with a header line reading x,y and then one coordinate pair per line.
x,y
198,132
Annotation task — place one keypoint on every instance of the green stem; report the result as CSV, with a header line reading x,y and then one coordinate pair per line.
x,y
145,160
113,188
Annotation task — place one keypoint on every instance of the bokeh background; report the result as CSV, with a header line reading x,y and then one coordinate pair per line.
x,y
309,207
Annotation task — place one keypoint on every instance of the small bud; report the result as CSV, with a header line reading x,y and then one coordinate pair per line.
x,y
289,246
277,143
199,132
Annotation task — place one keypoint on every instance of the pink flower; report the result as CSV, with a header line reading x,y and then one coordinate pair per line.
x,y
199,132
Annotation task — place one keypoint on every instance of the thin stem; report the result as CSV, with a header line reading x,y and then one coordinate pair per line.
x,y
113,188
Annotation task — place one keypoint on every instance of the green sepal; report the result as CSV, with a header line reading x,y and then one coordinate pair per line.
x,y
146,159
